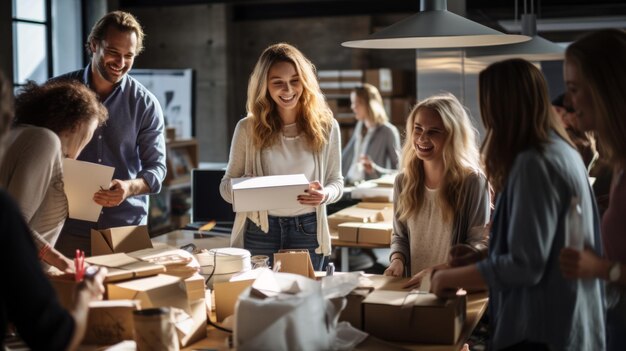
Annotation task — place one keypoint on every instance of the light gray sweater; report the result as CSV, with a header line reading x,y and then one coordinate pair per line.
x,y
32,173
468,224
245,159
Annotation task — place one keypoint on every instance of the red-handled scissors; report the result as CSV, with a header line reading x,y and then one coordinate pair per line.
x,y
79,264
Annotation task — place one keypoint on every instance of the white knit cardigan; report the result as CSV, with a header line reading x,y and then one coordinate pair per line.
x,y
245,159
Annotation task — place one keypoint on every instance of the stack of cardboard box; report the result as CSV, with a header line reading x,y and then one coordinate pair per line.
x,y
135,281
365,222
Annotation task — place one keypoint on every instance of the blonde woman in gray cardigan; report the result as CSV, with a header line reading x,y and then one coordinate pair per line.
x,y
289,130
441,198
373,150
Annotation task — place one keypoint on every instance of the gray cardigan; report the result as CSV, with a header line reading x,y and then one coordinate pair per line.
x,y
529,299
383,149
245,159
469,219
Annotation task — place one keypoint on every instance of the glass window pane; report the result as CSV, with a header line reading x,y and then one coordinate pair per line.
x,y
30,48
34,10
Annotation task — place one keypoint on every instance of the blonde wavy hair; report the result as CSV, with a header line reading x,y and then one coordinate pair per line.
x,y
314,119
370,97
517,114
601,58
460,157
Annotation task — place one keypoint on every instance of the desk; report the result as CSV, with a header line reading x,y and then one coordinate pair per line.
x,y
178,238
476,306
346,245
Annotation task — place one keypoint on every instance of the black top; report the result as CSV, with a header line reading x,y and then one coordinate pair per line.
x,y
28,299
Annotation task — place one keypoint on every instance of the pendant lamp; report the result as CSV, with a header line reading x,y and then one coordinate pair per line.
x,y
536,49
434,27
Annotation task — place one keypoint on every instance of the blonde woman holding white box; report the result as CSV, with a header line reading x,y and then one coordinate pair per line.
x,y
289,130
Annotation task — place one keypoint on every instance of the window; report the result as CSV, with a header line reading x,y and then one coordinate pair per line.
x,y
31,41
47,39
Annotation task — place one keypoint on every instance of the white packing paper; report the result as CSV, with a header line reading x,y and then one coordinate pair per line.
x,y
81,181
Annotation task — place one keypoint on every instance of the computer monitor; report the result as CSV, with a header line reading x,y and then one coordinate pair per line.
x,y
206,202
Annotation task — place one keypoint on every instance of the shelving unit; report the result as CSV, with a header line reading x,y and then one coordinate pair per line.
x,y
168,209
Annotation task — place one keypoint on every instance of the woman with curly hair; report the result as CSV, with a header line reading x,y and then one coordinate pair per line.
x,y
289,130
52,121
441,197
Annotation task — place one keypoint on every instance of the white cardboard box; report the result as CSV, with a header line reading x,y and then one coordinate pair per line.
x,y
268,192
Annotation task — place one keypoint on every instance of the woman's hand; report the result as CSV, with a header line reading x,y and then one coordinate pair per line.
x,y
315,194
416,280
440,286
396,268
581,264
366,162
463,255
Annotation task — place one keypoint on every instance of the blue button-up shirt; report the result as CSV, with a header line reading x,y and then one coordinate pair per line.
x,y
132,141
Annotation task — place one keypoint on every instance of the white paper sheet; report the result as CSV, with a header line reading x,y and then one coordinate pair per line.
x,y
81,180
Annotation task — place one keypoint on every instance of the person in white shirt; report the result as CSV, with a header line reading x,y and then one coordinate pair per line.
x,y
289,130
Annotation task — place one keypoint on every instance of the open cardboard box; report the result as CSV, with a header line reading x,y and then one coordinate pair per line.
x,y
363,212
268,193
227,293
296,261
119,239
413,317
121,266
167,291
375,306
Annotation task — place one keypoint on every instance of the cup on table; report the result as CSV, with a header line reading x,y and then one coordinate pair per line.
x,y
155,330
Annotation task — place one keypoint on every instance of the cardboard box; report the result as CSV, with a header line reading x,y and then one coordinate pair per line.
x,y
409,317
227,295
119,239
110,321
348,231
193,328
268,193
370,233
158,291
353,312
121,266
390,82
64,285
355,214
195,287
295,261
166,291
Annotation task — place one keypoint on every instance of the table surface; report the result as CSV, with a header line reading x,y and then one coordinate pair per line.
x,y
476,306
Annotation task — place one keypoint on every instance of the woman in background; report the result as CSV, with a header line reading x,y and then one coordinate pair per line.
x,y
289,130
375,143
595,76
53,121
536,172
441,198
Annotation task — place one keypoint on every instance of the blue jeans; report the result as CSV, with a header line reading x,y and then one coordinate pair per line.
x,y
299,232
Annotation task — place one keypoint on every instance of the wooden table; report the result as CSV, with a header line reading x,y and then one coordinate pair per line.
x,y
346,245
476,306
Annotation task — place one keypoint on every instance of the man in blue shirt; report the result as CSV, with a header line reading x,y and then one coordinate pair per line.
x,y
132,140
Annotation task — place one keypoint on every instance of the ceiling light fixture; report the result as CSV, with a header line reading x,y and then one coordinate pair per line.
x,y
434,27
536,49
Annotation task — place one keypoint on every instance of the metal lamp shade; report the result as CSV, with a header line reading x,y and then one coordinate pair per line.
x,y
434,27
